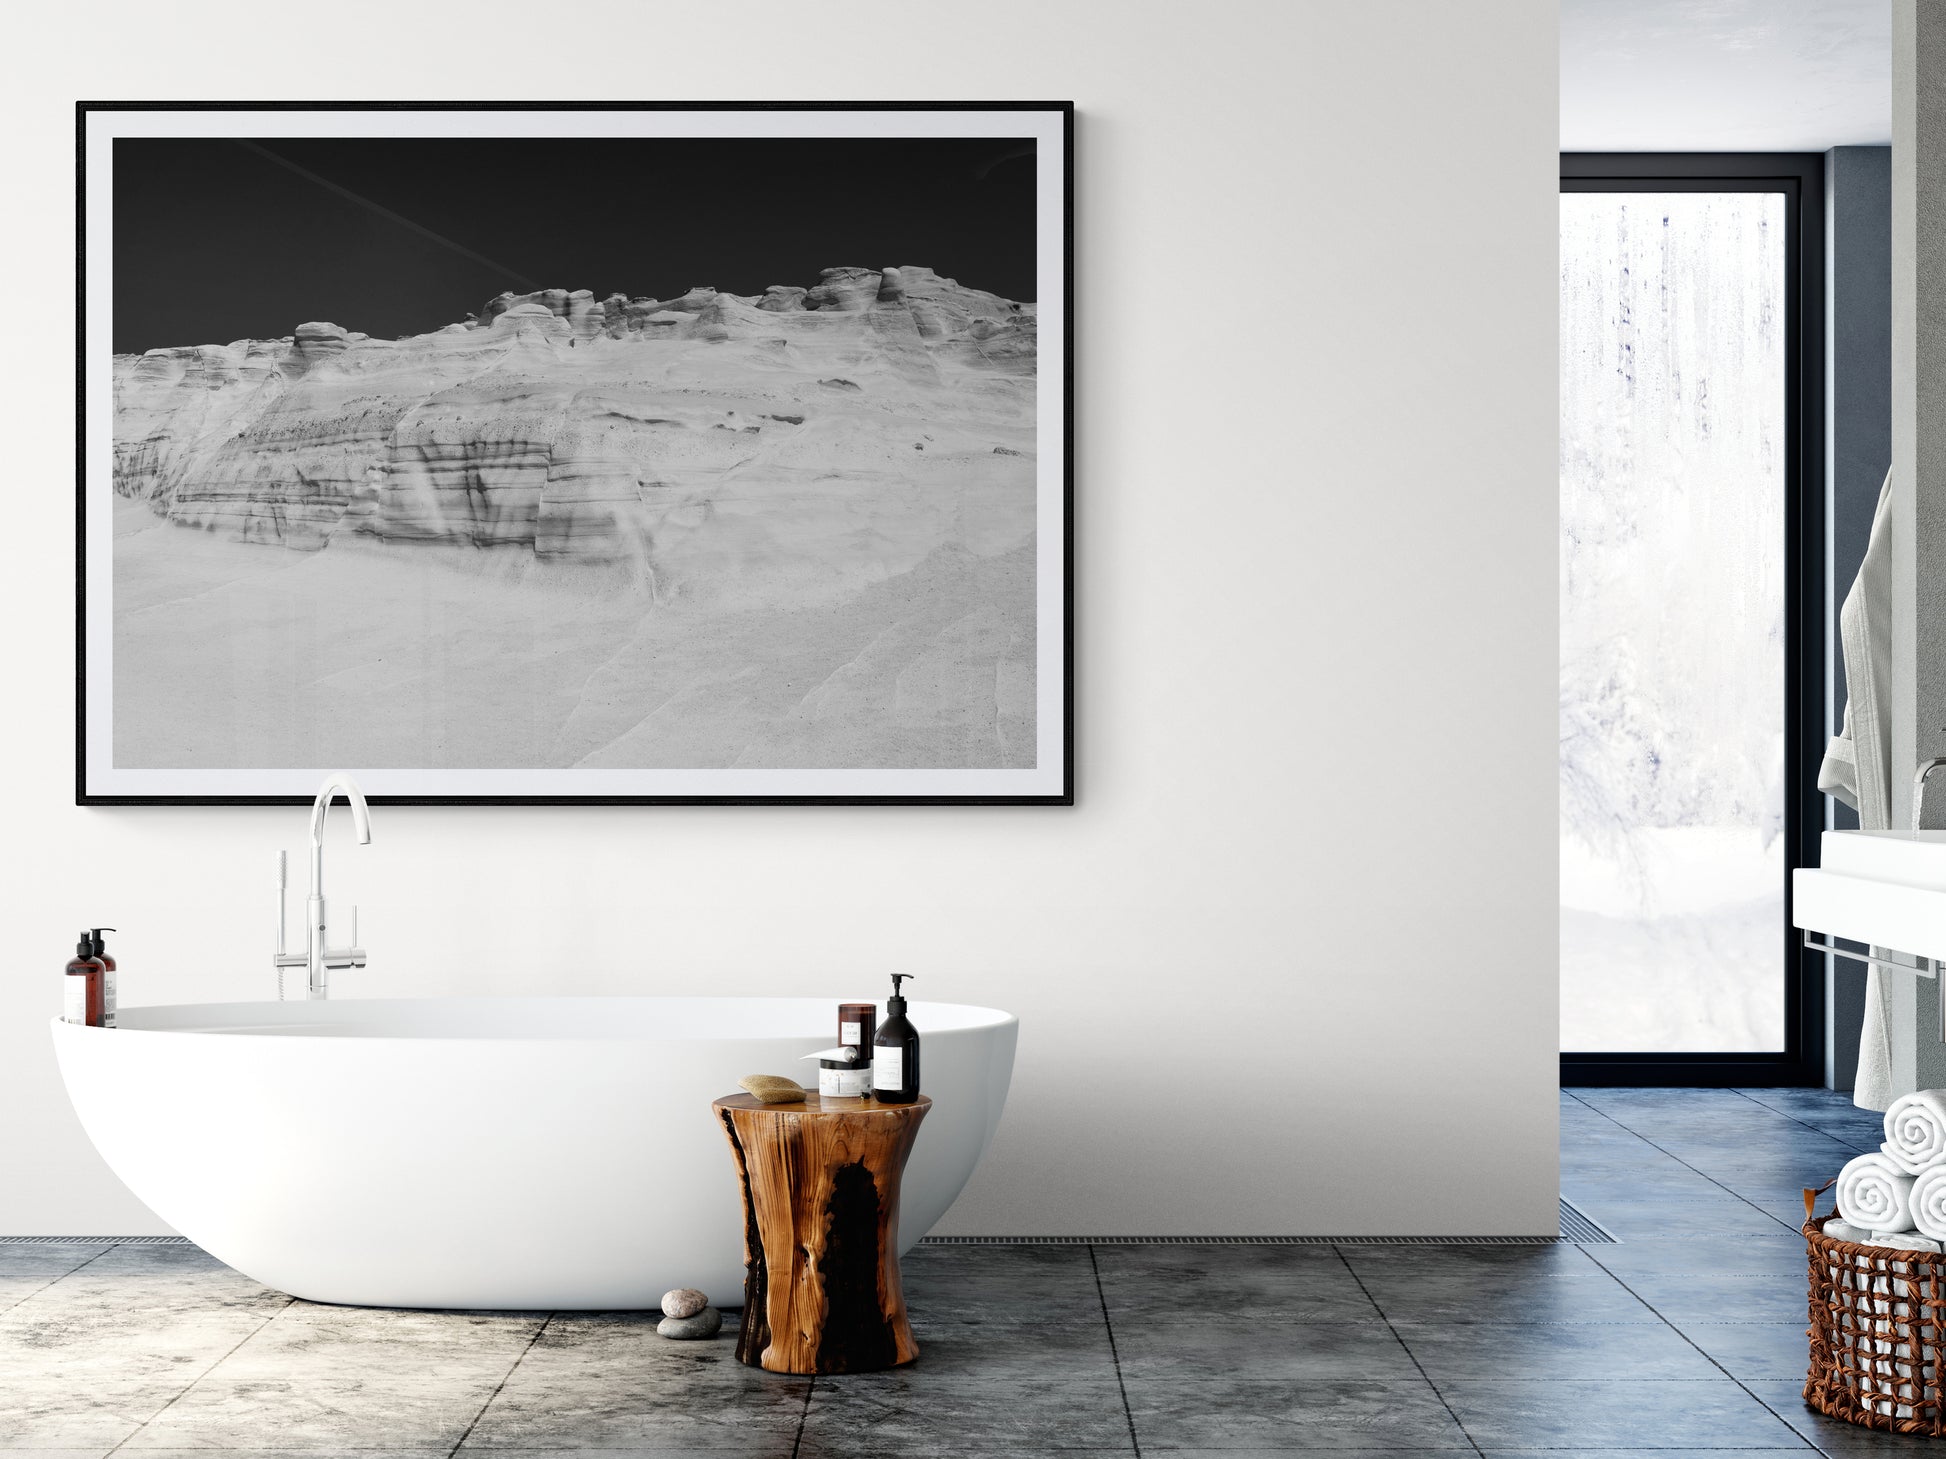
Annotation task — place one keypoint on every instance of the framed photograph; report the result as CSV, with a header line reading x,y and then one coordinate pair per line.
x,y
575,453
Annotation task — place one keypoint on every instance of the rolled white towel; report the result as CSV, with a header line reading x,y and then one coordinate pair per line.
x,y
1928,1203
1915,1130
1875,1193
1904,1240
1889,1380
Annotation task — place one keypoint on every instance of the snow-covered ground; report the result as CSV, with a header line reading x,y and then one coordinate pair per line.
x,y
249,654
1688,958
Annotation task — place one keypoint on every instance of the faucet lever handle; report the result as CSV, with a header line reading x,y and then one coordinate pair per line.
x,y
341,924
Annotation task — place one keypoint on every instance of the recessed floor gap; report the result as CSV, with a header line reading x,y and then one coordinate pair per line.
x,y
1576,1227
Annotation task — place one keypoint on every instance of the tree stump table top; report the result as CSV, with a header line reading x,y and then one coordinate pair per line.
x,y
821,1290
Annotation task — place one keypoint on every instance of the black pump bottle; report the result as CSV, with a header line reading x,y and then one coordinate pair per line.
x,y
895,1052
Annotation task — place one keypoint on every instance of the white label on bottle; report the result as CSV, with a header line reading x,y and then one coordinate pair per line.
x,y
888,1068
74,999
843,1083
108,998
851,1033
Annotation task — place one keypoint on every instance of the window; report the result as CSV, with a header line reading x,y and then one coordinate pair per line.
x,y
1685,787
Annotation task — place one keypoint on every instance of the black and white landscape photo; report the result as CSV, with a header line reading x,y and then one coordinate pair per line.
x,y
608,466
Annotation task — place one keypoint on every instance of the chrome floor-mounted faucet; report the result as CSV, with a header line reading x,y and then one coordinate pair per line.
x,y
318,960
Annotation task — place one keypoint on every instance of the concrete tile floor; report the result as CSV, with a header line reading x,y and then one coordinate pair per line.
x,y
1687,1337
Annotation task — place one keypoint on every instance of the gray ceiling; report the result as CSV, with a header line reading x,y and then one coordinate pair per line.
x,y
1725,75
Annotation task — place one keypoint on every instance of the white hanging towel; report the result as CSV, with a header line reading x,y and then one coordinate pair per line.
x,y
1857,764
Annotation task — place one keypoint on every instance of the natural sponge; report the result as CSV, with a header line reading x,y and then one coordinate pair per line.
x,y
772,1088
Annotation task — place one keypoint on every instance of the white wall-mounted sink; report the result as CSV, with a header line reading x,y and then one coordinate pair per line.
x,y
1886,888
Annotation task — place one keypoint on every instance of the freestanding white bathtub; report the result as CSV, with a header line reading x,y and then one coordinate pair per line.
x,y
525,1153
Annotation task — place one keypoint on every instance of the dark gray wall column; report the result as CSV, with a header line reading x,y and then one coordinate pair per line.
x,y
1919,444
1922,391
1858,448
1919,385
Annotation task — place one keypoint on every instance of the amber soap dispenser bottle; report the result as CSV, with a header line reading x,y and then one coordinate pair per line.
x,y
81,999
99,951
895,1053
857,1028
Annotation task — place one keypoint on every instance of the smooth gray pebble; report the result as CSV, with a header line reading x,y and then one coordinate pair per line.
x,y
706,1323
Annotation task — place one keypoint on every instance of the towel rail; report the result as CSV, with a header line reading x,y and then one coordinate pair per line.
x,y
1925,967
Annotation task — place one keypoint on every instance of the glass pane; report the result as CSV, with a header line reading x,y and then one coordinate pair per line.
x,y
1672,622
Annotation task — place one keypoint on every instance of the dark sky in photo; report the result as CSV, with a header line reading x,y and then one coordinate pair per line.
x,y
219,239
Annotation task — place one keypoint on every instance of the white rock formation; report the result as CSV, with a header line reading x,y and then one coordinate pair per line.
x,y
577,427
823,497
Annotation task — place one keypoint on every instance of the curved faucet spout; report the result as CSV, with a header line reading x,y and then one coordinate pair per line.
x,y
361,820
1919,779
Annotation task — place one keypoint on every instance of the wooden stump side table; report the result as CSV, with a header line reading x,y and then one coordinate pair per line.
x,y
821,1289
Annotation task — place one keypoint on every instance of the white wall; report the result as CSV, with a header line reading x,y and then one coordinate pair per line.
x,y
1311,877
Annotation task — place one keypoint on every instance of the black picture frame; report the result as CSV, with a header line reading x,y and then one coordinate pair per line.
x,y
1062,793
1799,176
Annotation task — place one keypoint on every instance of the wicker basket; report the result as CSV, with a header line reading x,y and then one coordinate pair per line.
x,y
1878,1322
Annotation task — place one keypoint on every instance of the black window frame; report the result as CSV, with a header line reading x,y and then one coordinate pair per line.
x,y
1800,177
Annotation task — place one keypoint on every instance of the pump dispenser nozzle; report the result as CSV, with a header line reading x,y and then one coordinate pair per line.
x,y
896,1003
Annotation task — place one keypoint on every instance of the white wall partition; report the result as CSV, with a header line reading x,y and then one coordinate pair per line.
x,y
1290,964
